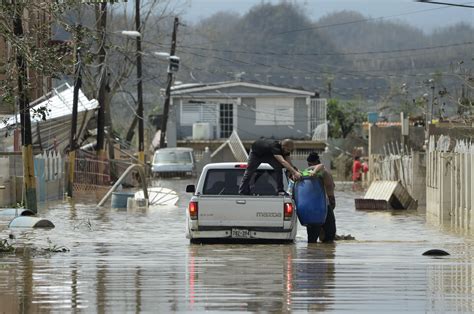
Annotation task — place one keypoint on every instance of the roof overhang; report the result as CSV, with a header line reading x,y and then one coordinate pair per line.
x,y
194,89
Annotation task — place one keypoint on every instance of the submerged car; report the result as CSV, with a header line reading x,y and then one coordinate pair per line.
x,y
176,161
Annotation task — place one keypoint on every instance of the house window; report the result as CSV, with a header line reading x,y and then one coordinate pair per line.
x,y
274,111
192,113
318,121
226,120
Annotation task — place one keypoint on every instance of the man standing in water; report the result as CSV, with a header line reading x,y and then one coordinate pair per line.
x,y
276,154
326,232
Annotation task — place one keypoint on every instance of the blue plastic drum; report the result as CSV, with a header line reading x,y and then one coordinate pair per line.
x,y
310,200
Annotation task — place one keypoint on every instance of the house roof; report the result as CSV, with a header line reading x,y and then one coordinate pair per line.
x,y
58,103
188,89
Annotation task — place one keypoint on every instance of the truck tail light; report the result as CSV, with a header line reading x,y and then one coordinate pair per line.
x,y
241,166
193,210
288,209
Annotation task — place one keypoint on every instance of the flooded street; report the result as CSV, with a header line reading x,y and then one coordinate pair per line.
x,y
121,261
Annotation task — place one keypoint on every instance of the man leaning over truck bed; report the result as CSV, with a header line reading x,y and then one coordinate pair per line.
x,y
276,154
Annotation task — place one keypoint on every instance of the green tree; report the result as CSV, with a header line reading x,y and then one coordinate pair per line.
x,y
343,118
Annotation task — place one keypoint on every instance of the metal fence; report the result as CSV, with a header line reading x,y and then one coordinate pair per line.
x,y
393,168
90,174
395,165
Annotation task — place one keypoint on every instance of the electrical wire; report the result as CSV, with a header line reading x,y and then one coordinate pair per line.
x,y
268,53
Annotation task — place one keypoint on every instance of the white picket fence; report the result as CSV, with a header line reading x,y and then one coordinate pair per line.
x,y
449,186
53,164
49,172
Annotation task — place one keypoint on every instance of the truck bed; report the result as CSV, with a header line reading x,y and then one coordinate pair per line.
x,y
217,210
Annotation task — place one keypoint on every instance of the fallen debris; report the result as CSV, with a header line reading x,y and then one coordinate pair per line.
x,y
344,237
6,247
436,252
386,195
159,196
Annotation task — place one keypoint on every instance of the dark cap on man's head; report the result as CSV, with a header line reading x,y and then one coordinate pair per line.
x,y
313,158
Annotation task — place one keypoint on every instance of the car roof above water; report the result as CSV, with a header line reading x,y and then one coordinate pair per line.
x,y
174,149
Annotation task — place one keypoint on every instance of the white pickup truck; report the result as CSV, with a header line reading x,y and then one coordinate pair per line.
x,y
217,211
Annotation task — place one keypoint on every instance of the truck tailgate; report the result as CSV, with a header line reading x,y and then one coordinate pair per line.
x,y
240,211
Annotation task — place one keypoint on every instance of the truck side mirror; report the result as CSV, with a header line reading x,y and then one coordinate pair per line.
x,y
190,188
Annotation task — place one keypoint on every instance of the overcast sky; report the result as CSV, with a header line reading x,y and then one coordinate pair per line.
x,y
423,15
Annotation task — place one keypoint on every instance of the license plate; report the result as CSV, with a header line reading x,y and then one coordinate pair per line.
x,y
240,234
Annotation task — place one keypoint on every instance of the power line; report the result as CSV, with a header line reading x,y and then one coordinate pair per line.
x,y
268,53
412,68
447,4
292,69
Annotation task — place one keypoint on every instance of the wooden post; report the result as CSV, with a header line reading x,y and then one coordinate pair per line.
x,y
131,129
29,180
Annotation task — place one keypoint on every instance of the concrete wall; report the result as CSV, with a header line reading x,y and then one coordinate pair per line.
x,y
379,137
49,180
418,189
449,188
5,185
452,130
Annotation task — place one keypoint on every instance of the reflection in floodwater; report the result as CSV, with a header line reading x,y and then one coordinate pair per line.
x,y
240,277
129,262
314,278
451,286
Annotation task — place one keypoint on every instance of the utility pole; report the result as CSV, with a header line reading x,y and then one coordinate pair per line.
x,y
432,101
166,108
29,181
102,12
131,129
141,146
75,100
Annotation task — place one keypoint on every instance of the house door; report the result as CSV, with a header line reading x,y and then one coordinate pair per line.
x,y
226,120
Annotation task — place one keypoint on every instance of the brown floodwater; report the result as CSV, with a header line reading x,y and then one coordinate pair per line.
x,y
140,261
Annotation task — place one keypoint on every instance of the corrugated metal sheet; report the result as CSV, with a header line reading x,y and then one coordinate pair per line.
x,y
58,104
391,192
54,132
236,147
381,190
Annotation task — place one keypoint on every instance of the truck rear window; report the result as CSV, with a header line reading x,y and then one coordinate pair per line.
x,y
227,181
